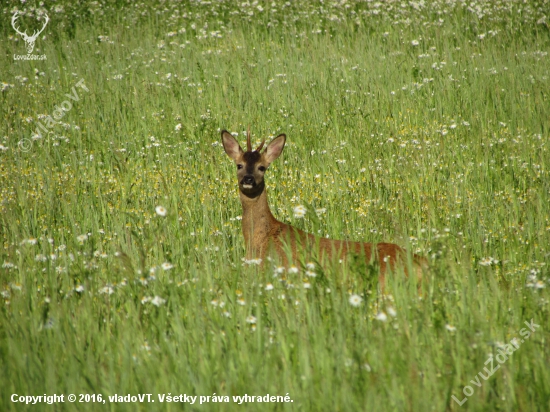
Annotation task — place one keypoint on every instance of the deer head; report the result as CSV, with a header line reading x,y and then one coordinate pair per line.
x,y
252,164
29,40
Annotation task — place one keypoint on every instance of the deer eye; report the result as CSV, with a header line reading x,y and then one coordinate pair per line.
x,y
239,166
261,169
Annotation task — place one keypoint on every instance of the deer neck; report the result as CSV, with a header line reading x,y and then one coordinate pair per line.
x,y
257,220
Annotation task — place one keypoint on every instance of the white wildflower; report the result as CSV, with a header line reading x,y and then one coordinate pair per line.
x,y
167,266
158,301
82,238
450,328
107,289
160,210
279,270
488,261
381,316
299,211
355,300
252,261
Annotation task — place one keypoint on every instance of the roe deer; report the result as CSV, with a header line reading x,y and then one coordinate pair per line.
x,y
263,234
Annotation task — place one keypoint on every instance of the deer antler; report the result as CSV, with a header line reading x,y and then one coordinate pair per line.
x,y
260,146
13,21
248,144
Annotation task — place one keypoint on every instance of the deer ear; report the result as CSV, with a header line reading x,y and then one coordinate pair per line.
x,y
231,146
275,148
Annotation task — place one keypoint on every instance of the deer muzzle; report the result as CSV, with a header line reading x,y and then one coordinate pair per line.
x,y
248,181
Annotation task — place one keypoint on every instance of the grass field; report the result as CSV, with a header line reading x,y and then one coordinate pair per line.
x,y
420,123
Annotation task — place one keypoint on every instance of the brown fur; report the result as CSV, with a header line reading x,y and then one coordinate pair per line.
x,y
263,234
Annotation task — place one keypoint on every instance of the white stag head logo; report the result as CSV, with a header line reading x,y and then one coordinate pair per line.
x,y
29,40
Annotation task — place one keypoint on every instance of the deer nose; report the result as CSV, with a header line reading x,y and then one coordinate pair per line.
x,y
248,180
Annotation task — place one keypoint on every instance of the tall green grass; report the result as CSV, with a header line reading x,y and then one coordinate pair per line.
x,y
426,126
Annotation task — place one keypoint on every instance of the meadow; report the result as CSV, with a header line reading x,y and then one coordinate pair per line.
x,y
422,123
